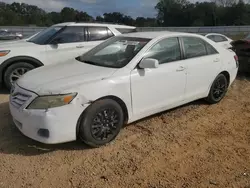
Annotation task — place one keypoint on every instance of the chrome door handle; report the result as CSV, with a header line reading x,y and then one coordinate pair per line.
x,y
181,68
80,46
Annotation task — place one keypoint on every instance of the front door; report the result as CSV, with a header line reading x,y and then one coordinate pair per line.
x,y
158,89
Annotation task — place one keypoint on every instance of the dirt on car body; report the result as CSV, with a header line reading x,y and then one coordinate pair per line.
x,y
197,145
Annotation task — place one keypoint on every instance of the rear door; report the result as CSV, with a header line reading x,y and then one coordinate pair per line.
x,y
203,63
67,44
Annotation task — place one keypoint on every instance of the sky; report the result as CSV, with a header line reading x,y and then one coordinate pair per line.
x,y
134,8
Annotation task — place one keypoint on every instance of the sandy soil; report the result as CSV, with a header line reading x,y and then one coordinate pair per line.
x,y
196,145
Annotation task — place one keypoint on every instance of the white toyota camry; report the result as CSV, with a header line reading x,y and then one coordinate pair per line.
x,y
123,79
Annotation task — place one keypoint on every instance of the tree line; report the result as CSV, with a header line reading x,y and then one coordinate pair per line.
x,y
169,13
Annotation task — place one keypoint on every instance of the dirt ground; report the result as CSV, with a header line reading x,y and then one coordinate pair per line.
x,y
196,145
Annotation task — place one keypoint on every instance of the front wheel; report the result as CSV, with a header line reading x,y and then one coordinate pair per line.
x,y
101,122
218,89
15,71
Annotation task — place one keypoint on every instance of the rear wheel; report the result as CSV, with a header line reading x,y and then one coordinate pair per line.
x,y
218,89
101,123
15,71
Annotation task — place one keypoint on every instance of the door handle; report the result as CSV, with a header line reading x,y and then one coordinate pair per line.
x,y
181,68
216,60
80,46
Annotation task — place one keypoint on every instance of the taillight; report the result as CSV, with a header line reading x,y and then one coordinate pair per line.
x,y
236,60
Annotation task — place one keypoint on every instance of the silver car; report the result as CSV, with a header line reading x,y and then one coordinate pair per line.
x,y
8,35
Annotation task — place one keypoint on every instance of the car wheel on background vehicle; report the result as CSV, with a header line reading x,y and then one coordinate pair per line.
x,y
218,89
101,122
15,71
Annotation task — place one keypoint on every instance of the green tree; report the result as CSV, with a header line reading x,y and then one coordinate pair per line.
x,y
68,14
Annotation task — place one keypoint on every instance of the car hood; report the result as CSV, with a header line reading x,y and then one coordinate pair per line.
x,y
15,44
58,78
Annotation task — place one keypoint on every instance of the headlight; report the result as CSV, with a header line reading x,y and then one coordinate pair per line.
x,y
53,101
4,52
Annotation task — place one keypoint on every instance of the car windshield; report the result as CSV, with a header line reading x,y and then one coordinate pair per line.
x,y
45,35
116,52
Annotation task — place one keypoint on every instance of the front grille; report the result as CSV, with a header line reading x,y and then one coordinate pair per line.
x,y
18,99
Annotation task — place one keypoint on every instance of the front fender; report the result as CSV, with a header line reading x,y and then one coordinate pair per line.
x,y
116,87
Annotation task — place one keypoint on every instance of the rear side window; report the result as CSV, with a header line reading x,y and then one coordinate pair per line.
x,y
99,33
211,37
217,38
70,34
125,30
210,49
194,47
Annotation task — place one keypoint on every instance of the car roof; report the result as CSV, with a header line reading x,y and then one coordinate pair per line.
x,y
157,34
215,34
94,24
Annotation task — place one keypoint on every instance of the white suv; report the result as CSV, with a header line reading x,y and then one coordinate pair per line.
x,y
53,45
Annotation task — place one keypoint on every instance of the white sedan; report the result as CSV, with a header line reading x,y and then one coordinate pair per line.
x,y
93,96
222,40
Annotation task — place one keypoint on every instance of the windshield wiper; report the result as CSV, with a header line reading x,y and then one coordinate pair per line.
x,y
29,41
93,63
85,61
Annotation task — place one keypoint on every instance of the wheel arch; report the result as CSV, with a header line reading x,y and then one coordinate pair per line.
x,y
121,103
227,75
116,99
35,62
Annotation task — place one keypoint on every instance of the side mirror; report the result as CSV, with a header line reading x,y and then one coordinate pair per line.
x,y
55,41
149,63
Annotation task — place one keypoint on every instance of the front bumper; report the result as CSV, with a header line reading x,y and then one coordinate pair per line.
x,y
51,126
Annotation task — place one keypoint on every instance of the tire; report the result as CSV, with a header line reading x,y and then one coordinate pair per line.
x,y
93,119
15,71
218,92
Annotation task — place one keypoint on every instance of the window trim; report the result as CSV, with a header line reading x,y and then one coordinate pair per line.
x,y
56,34
180,46
87,32
204,42
63,29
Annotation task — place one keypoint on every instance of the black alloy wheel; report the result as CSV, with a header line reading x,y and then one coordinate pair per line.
x,y
218,89
100,123
105,124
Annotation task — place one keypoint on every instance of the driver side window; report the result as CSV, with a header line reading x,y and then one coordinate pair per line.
x,y
167,50
70,34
